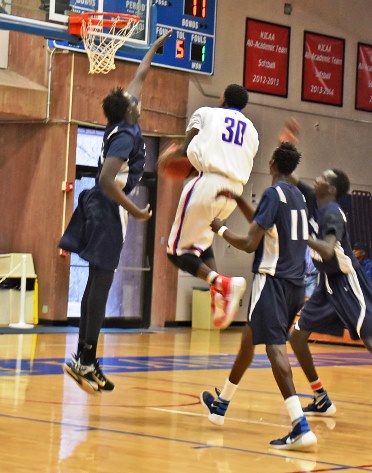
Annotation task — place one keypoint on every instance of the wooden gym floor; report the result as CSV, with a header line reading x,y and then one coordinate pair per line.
x,y
153,422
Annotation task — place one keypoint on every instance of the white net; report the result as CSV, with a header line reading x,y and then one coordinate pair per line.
x,y
102,39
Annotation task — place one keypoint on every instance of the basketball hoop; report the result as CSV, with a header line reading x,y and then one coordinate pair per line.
x,y
102,34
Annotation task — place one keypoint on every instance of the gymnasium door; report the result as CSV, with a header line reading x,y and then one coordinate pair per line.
x,y
129,303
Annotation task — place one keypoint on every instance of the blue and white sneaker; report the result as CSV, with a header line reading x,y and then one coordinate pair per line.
x,y
301,437
216,407
321,406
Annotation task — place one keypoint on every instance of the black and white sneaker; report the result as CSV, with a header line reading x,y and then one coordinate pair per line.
x,y
216,407
103,383
82,375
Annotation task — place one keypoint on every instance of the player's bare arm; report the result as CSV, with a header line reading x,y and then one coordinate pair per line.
x,y
110,168
248,243
135,86
325,248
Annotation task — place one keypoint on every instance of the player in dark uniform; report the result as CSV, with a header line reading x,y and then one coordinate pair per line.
x,y
278,235
97,228
343,297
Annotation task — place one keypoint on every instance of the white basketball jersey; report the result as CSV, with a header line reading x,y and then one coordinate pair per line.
x,y
226,143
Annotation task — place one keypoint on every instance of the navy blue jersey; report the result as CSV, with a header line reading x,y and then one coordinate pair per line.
x,y
329,220
282,213
95,229
125,141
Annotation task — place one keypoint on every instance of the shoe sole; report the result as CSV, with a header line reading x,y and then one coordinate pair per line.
x,y
214,418
219,310
237,290
83,384
101,387
330,412
307,442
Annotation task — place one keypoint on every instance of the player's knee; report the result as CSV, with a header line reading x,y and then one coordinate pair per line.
x,y
298,338
186,262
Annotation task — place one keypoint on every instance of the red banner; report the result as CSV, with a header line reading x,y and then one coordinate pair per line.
x,y
323,69
266,58
363,96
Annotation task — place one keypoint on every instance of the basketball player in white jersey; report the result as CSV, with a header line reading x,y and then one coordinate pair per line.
x,y
220,143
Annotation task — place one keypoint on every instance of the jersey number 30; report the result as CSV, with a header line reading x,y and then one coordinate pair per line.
x,y
235,130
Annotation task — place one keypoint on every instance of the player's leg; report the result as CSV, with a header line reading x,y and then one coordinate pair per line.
x,y
278,304
226,291
217,406
359,306
85,369
191,237
317,315
301,437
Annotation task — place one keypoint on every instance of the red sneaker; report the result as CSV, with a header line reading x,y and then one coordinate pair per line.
x,y
232,290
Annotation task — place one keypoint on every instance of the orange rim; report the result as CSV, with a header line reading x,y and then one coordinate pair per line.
x,y
75,20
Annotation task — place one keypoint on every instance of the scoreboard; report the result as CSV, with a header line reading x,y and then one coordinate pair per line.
x,y
191,46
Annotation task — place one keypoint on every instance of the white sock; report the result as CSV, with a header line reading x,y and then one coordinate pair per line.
x,y
211,277
228,391
294,408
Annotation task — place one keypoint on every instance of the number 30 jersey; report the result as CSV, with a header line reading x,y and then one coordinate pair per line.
x,y
226,143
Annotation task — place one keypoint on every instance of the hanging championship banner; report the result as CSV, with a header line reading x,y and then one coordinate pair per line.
x,y
363,96
266,58
323,69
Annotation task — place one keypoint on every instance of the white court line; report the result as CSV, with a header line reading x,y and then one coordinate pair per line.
x,y
195,414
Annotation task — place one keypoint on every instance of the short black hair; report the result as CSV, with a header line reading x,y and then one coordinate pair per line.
x,y
235,96
341,183
286,158
115,105
360,246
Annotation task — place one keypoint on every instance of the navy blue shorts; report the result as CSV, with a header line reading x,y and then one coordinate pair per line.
x,y
272,308
95,230
339,302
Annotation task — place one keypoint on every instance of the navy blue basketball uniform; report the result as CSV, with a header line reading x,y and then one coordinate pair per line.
x,y
343,297
279,264
95,231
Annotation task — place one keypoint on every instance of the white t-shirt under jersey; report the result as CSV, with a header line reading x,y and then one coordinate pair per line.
x,y
226,143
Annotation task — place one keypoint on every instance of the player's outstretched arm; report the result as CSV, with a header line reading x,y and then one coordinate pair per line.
x,y
135,86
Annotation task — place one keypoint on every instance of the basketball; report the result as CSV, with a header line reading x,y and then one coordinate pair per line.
x,y
172,164
177,168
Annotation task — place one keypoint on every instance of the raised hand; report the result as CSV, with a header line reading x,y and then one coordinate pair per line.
x,y
290,132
